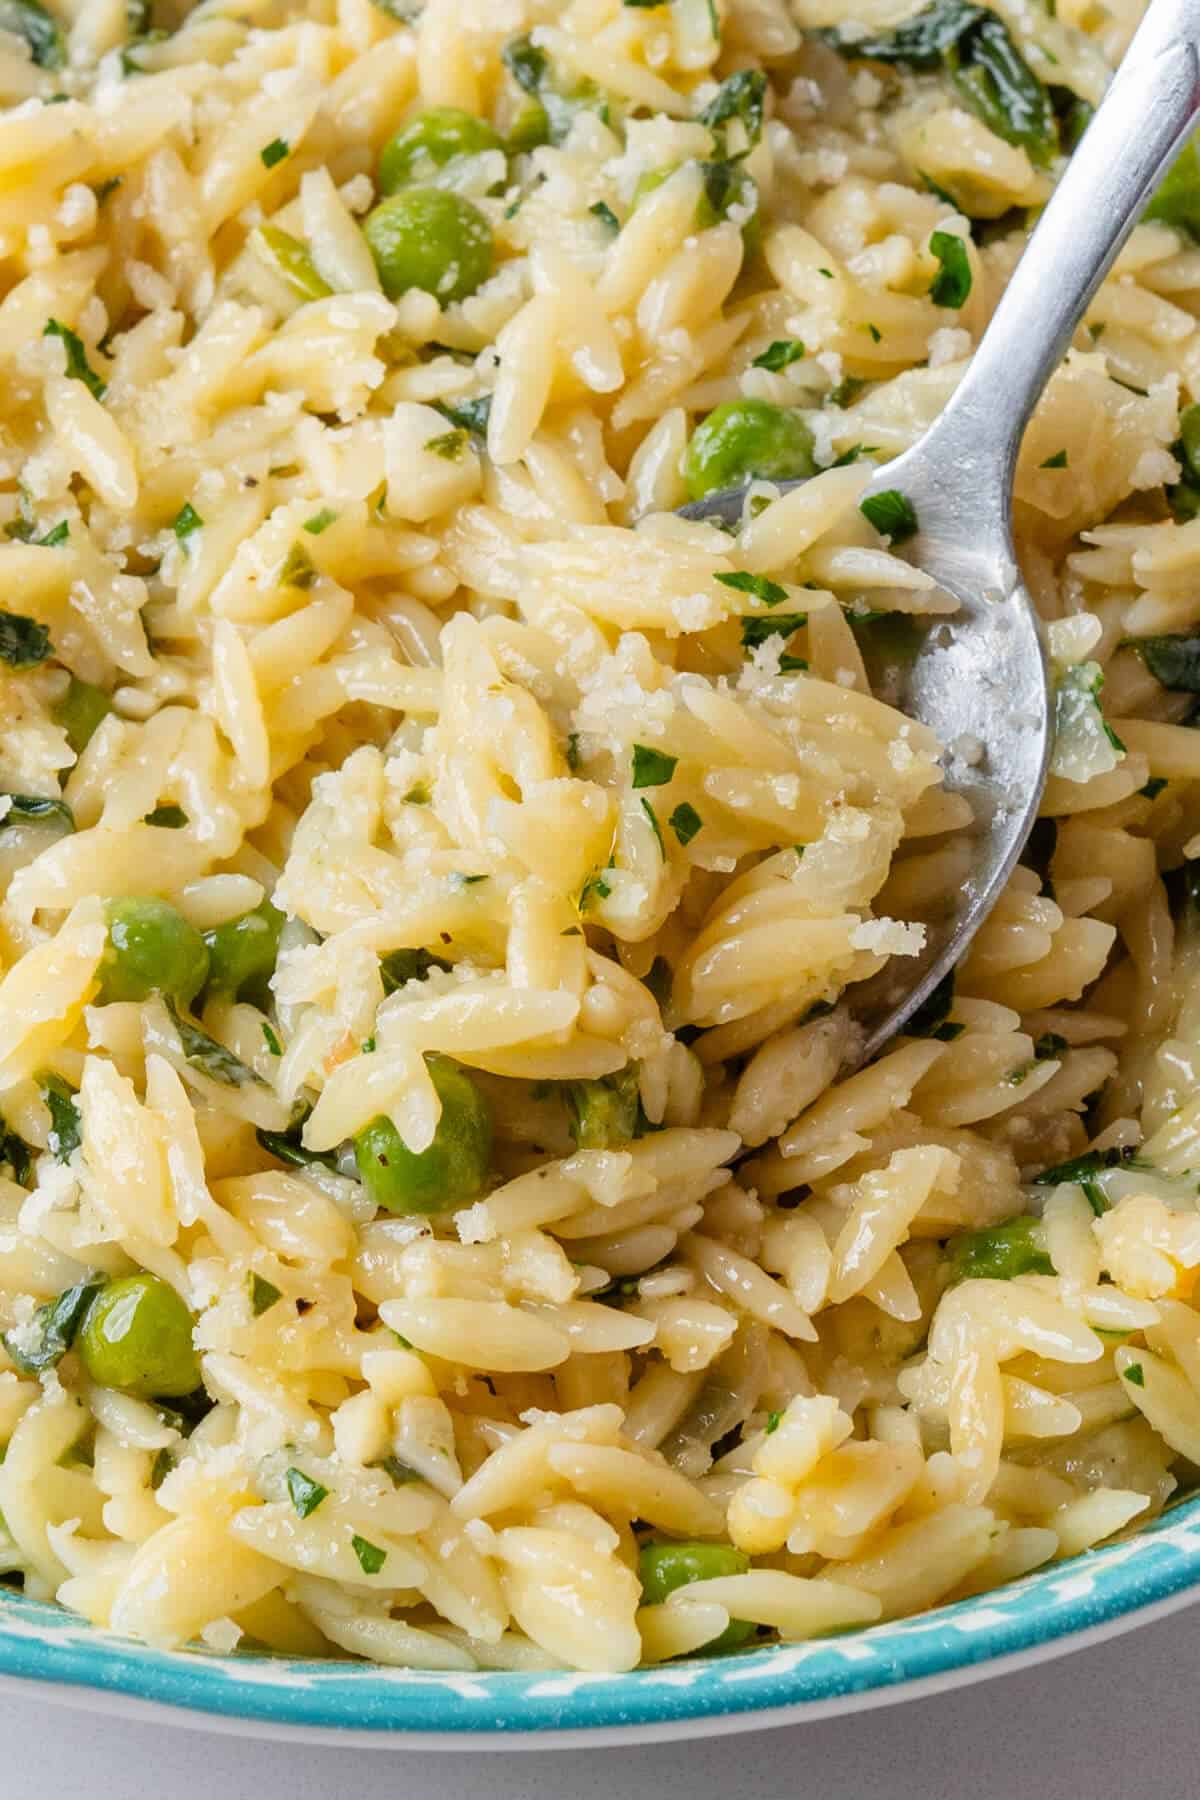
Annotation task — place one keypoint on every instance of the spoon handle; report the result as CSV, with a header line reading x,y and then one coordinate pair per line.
x,y
1140,125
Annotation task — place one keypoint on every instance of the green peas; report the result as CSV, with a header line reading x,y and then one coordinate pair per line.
x,y
151,949
243,953
664,1567
433,140
455,1165
745,439
80,712
432,239
605,1112
137,1336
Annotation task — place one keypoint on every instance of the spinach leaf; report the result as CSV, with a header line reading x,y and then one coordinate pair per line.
x,y
739,97
932,1017
1085,1168
30,20
66,1132
399,966
24,643
15,1154
204,1052
78,366
1172,660
974,47
54,1328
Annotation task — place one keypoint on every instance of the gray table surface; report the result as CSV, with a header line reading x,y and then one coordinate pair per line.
x,y
1117,1722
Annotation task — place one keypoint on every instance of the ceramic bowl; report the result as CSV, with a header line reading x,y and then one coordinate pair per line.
x,y
1057,1609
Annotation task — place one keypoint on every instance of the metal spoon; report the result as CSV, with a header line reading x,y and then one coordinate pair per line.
x,y
981,675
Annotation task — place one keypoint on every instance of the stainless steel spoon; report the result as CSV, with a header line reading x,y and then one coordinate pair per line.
x,y
982,674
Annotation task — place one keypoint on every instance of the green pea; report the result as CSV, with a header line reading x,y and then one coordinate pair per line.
x,y
455,1165
664,1567
604,1112
432,239
243,953
151,949
745,439
432,141
137,1335
80,712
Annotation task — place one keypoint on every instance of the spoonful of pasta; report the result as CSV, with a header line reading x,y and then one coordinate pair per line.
x,y
979,678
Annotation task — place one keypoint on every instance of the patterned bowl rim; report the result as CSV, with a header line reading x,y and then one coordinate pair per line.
x,y
1157,1568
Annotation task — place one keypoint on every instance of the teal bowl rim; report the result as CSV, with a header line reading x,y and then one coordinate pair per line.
x,y
41,1642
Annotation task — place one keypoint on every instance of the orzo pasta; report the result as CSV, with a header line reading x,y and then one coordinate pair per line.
x,y
437,1225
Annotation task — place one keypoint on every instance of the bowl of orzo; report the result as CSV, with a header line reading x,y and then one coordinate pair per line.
x,y
453,1276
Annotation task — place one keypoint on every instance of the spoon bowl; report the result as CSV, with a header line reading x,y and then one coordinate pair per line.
x,y
979,679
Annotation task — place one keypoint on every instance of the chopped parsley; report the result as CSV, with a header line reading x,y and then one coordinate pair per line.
x,y
370,1557
449,446
306,1495
779,355
1135,1375
655,827
167,818
742,582
952,283
263,1294
298,569
1057,461
187,522
320,521
398,1473
602,211
685,822
468,415
773,1419
273,153
891,513
594,885
652,768
78,366
757,630
272,1042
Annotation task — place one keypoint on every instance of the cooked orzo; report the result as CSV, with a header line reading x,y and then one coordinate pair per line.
x,y
436,1227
